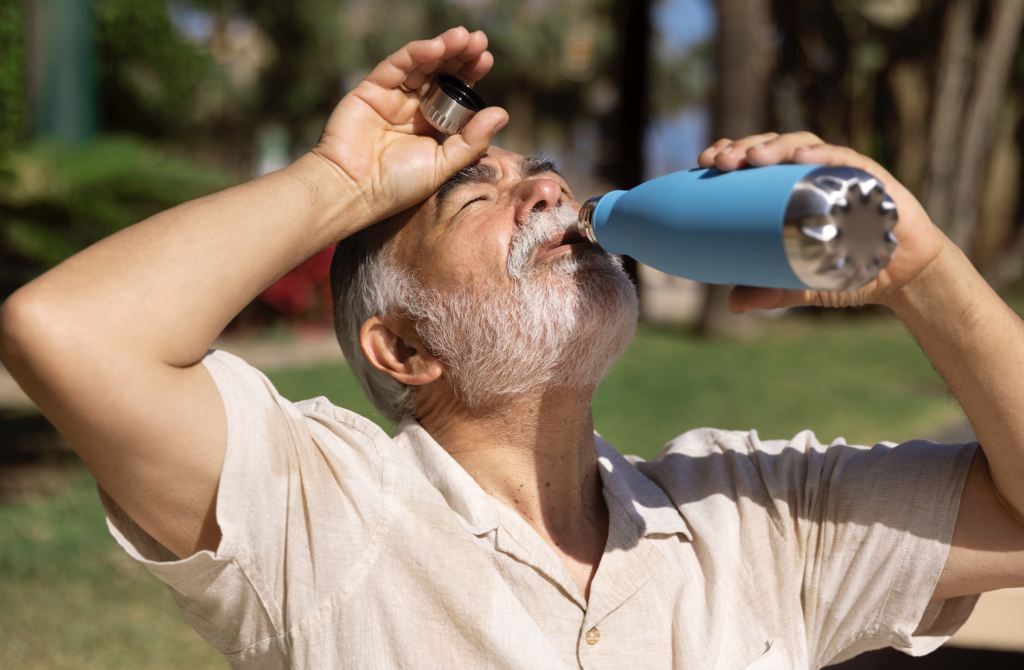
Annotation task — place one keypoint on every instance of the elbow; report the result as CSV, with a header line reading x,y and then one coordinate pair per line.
x,y
23,331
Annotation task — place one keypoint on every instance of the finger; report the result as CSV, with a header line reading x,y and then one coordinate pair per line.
x,y
734,156
827,154
470,73
780,149
747,298
706,159
475,69
394,70
459,151
477,46
397,67
461,47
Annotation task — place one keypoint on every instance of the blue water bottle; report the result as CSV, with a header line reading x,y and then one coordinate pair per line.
x,y
781,226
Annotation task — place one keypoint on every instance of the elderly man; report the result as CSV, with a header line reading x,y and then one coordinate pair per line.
x,y
494,528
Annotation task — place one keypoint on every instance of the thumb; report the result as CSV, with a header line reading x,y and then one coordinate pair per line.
x,y
746,298
461,150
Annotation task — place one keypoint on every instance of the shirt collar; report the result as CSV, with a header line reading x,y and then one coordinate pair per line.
x,y
476,510
645,502
647,505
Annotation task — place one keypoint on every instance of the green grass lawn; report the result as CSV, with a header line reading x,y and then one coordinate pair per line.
x,y
72,599
864,379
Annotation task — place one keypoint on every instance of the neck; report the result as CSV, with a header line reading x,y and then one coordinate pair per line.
x,y
536,455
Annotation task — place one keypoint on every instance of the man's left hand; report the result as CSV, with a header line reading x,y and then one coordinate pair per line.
x,y
920,242
974,340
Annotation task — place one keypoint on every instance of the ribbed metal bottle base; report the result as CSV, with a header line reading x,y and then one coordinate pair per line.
x,y
838,229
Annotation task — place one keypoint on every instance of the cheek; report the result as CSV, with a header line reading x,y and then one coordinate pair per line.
x,y
476,258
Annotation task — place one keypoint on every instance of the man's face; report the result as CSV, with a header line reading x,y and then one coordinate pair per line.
x,y
557,315
461,236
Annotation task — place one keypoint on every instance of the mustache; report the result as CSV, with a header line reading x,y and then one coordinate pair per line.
x,y
537,229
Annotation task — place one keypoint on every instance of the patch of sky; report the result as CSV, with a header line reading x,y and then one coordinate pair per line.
x,y
192,23
673,143
680,24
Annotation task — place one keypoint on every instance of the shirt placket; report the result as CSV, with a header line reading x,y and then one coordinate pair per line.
x,y
630,562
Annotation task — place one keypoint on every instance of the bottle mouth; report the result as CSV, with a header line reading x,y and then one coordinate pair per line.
x,y
585,220
460,92
450,103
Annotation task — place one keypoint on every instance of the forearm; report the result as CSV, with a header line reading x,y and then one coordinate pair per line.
x,y
163,289
977,344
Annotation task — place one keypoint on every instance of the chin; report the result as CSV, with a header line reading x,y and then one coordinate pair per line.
x,y
560,325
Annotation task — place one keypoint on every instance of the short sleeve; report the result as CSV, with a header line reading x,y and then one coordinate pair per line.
x,y
880,521
300,495
874,527
837,547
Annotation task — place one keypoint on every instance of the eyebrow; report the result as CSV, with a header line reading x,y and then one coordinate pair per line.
x,y
529,166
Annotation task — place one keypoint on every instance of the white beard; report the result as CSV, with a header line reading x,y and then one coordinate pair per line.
x,y
558,325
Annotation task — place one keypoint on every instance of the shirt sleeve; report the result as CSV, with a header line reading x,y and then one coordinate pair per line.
x,y
872,530
299,498
837,547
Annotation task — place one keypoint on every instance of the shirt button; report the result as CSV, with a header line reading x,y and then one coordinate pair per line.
x,y
593,635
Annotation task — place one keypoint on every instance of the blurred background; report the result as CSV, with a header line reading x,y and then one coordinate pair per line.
x,y
112,110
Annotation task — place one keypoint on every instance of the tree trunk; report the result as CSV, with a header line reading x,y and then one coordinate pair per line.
x,y
950,91
908,83
628,125
999,192
993,73
1010,268
744,60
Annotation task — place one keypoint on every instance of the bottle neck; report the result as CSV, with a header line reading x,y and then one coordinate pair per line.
x,y
585,219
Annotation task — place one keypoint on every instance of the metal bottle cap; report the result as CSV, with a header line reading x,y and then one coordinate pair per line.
x,y
838,229
585,220
450,103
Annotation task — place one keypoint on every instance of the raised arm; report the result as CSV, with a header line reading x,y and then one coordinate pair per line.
x,y
107,344
971,336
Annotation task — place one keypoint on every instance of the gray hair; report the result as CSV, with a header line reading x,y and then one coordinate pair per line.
x,y
366,283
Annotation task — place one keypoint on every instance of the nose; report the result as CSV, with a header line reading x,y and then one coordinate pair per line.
x,y
536,195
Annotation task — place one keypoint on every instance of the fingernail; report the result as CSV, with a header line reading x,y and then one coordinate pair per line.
x,y
726,150
758,146
501,124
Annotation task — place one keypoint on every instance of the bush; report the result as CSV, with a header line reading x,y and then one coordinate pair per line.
x,y
56,199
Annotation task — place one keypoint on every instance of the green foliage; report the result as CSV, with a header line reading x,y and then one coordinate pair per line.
x,y
531,43
57,199
12,72
147,67
679,81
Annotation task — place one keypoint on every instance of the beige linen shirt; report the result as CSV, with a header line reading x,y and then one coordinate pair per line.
x,y
345,548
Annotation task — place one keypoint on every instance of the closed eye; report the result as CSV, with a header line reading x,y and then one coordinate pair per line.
x,y
471,202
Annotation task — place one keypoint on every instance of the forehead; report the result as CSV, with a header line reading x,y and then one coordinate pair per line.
x,y
418,229
495,166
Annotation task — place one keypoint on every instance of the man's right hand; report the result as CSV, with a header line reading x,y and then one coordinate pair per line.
x,y
380,144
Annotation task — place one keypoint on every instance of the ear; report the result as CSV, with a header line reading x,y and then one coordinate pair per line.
x,y
397,350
